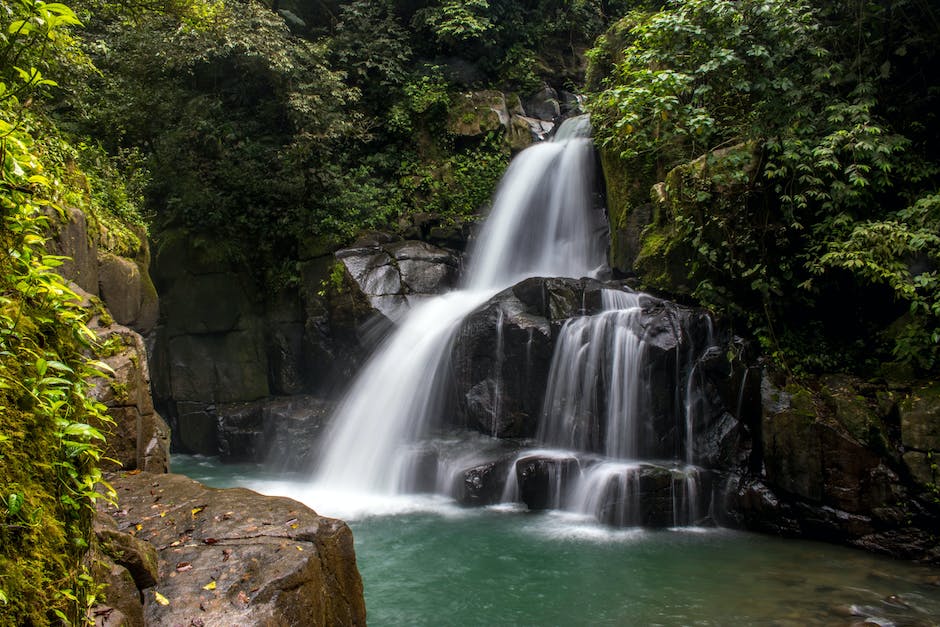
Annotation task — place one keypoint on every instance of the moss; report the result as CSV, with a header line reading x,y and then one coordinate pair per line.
x,y
34,550
626,191
120,391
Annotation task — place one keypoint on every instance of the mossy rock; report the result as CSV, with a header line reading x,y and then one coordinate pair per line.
x,y
627,209
662,260
860,416
920,418
477,113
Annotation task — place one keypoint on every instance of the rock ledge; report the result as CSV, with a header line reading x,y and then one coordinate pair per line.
x,y
235,557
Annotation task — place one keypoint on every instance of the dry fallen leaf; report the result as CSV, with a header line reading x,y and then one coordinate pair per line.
x,y
196,510
209,586
162,600
182,567
210,541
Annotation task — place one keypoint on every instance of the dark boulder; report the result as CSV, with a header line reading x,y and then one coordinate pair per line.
x,y
541,480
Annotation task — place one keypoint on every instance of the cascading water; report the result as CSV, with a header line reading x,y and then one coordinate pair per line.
x,y
593,450
543,222
594,385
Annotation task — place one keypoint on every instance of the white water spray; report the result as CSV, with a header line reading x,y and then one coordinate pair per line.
x,y
543,223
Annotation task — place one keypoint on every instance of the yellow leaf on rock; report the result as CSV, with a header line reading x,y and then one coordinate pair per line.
x,y
162,600
209,586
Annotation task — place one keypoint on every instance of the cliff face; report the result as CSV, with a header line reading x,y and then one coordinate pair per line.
x,y
191,553
829,456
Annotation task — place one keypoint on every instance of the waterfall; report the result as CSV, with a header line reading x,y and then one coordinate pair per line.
x,y
594,384
596,444
543,222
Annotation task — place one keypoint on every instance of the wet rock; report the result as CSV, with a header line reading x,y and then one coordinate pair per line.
x,y
501,357
541,480
236,557
483,484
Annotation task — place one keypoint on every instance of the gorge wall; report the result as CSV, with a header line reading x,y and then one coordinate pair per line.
x,y
161,567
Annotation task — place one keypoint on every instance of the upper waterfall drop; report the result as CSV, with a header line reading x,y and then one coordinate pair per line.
x,y
544,222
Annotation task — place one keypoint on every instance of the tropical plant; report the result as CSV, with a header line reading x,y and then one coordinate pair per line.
x,y
826,163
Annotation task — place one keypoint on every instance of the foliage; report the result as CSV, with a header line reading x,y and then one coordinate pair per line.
x,y
455,22
372,47
246,132
458,185
827,190
50,442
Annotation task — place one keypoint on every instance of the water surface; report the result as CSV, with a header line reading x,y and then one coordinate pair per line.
x,y
426,561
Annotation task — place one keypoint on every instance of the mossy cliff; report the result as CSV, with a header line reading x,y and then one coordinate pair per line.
x,y
776,198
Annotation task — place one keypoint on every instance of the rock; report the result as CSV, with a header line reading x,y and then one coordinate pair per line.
x,y
522,132
483,484
450,232
476,113
153,444
394,275
235,557
281,431
920,419
543,104
196,430
339,323
128,293
293,427
139,438
503,352
122,606
540,479
501,357
208,303
71,238
221,368
792,449
137,556
424,269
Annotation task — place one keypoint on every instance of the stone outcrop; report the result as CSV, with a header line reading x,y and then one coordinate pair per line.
x,y
831,462
140,438
394,275
113,266
285,430
521,122
503,352
200,556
